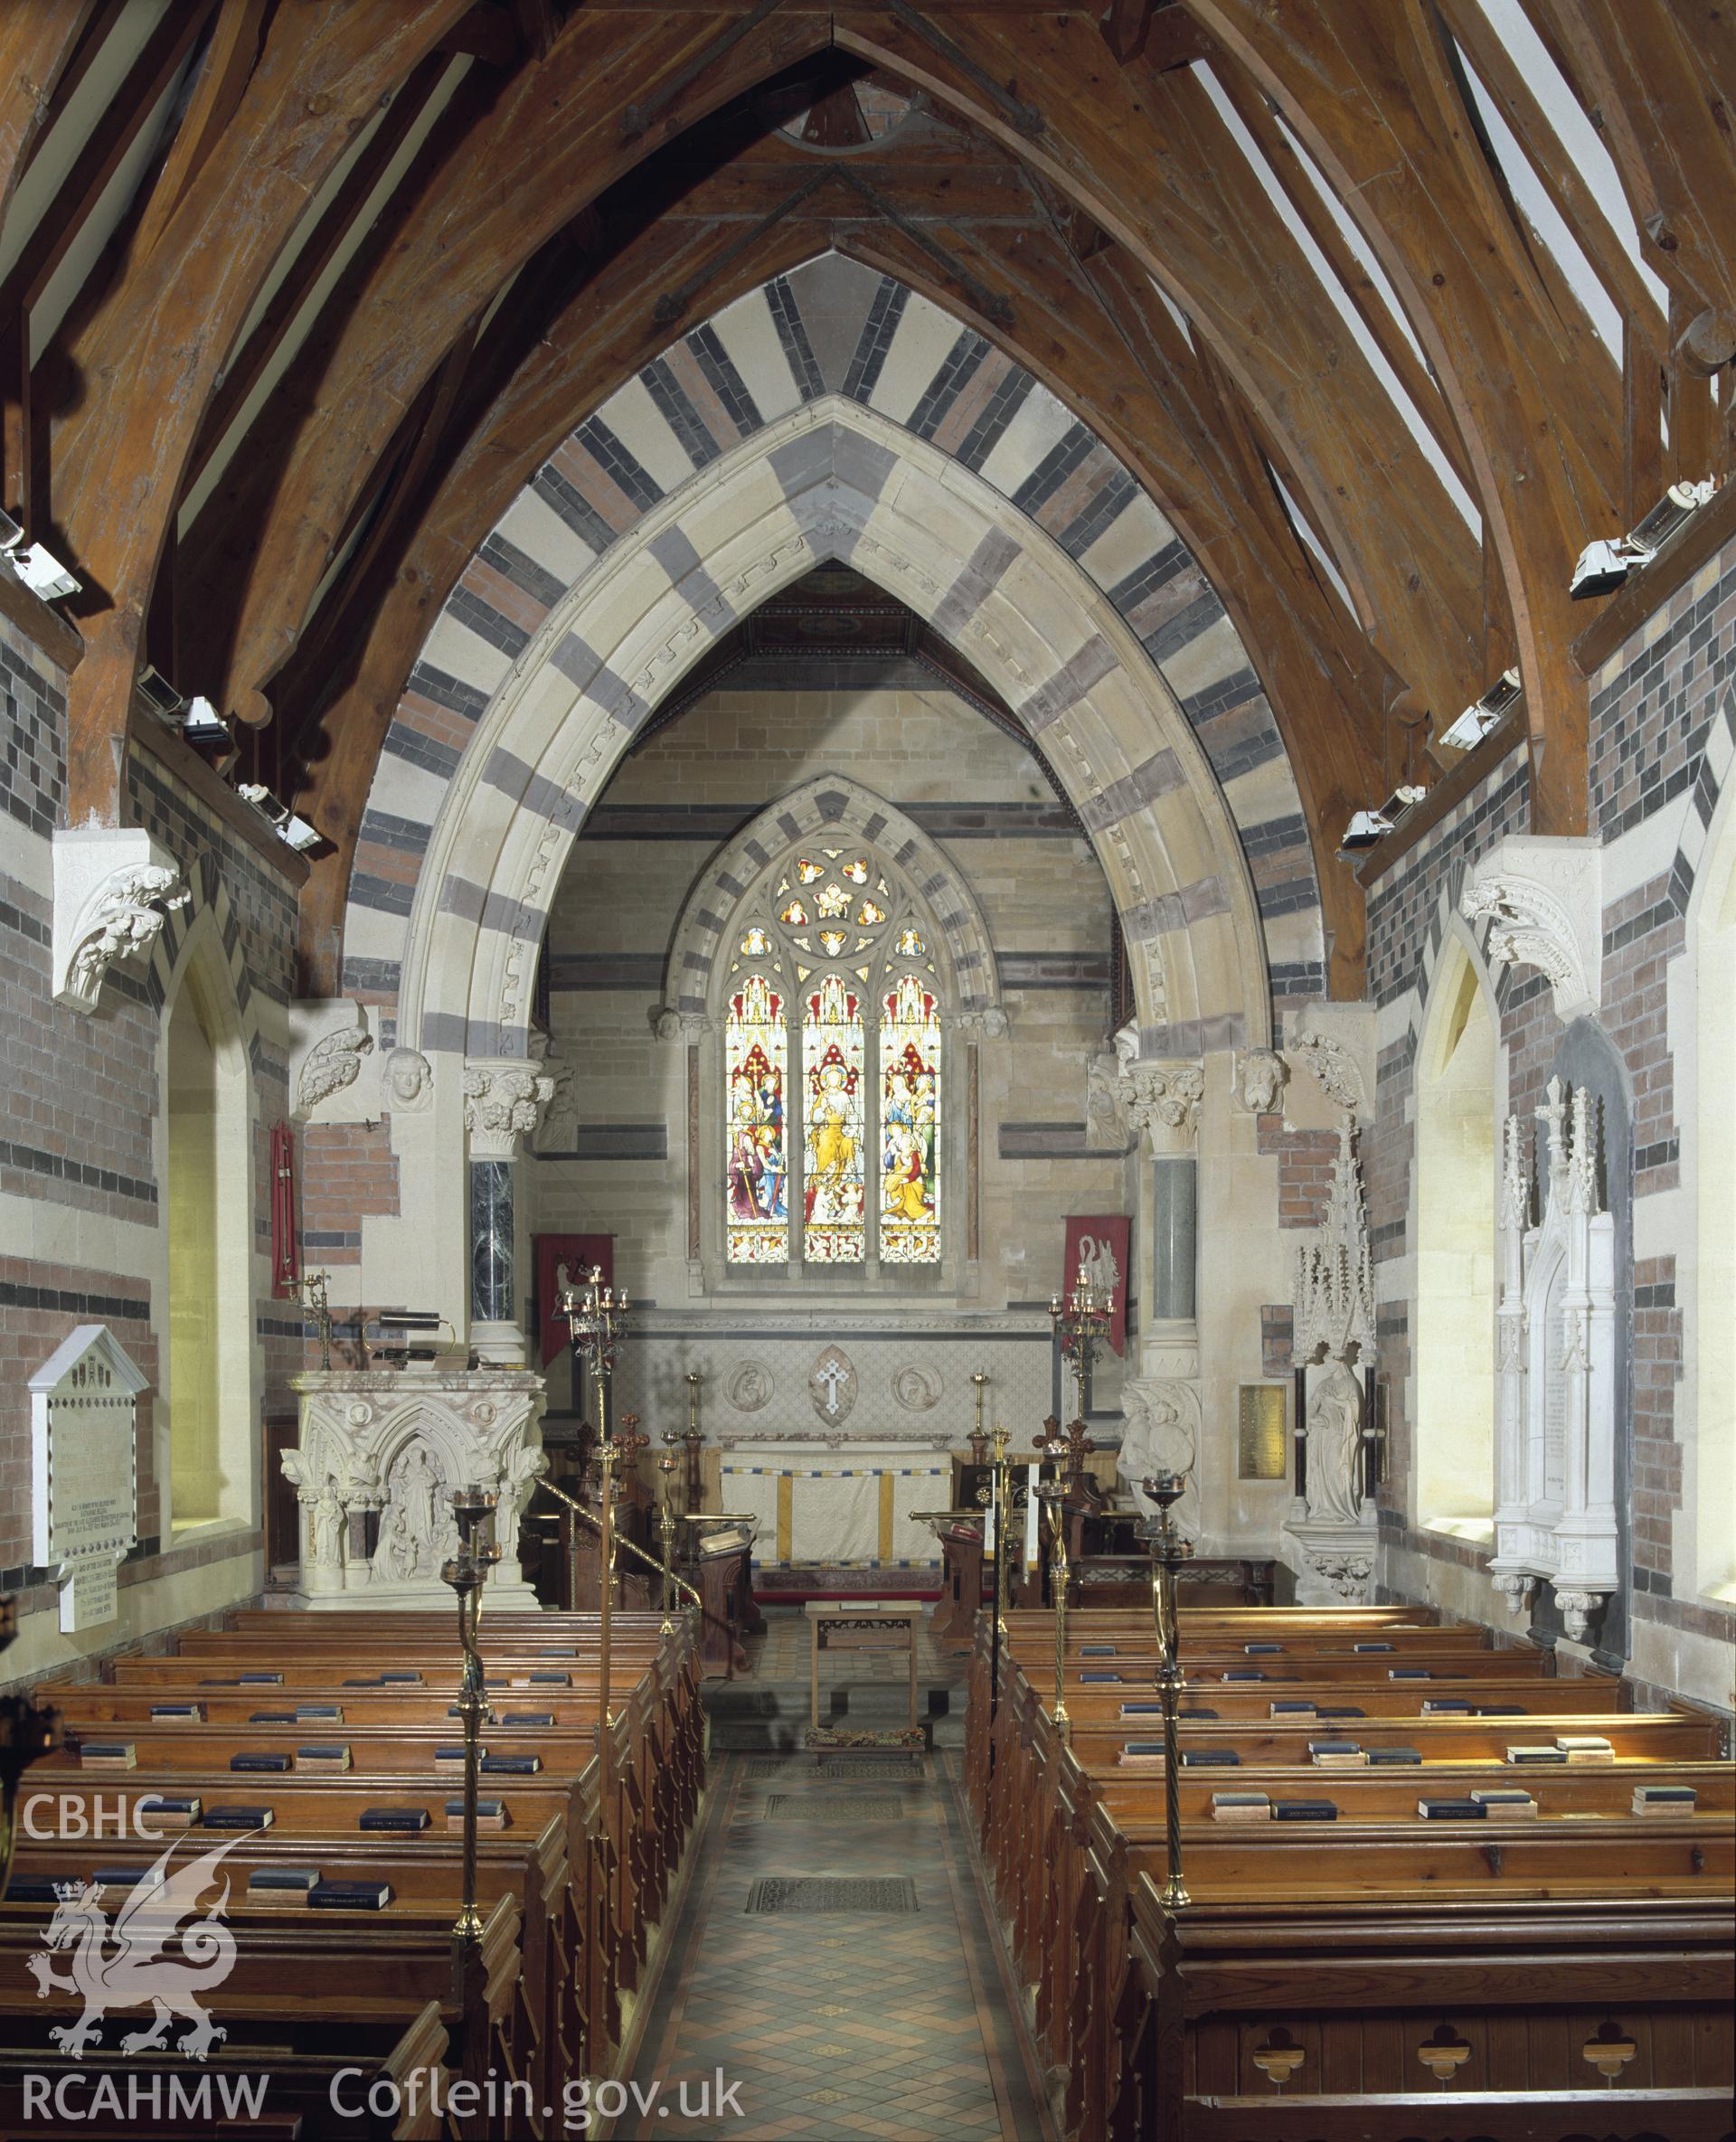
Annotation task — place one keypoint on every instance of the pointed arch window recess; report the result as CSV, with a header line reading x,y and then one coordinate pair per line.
x,y
830,972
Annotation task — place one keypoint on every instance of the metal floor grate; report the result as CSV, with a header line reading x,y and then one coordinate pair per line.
x,y
807,1894
843,1807
896,1769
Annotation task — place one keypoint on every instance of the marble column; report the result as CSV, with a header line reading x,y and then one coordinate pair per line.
x,y
1160,1404
502,1103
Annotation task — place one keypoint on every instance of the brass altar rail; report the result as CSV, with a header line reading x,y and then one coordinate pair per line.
x,y
632,1546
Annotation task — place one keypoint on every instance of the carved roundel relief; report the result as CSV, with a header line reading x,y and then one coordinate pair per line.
x,y
918,1391
749,1386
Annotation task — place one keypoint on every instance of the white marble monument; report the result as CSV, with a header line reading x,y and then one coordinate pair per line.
x,y
397,1442
1555,1374
1328,1540
84,1470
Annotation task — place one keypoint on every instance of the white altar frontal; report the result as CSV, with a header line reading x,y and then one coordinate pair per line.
x,y
394,1444
825,1503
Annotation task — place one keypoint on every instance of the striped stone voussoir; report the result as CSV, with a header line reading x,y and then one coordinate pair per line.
x,y
832,328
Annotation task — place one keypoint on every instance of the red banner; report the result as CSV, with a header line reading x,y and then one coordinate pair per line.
x,y
561,1259
1098,1247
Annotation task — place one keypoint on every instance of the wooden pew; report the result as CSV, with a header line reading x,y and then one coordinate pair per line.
x,y
580,1876
378,2043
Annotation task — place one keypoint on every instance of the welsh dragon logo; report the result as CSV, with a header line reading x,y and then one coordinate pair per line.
x,y
127,1966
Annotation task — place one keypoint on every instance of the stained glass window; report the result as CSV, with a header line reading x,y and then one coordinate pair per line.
x,y
833,1124
756,1053
910,1124
834,1139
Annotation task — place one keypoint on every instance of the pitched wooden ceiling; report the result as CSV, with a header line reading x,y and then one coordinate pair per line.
x,y
1392,306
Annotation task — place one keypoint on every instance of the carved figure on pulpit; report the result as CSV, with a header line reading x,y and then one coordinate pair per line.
x,y
328,1524
1335,1446
418,1490
398,1556
1159,1436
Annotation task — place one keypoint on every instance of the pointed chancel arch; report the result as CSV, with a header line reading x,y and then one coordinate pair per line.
x,y
831,481
1148,703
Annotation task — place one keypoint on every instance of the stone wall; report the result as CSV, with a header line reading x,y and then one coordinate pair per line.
x,y
1661,734
83,1157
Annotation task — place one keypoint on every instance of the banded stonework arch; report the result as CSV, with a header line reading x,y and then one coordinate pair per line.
x,y
830,803
208,895
834,481
835,330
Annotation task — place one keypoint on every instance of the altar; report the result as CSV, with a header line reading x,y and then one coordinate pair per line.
x,y
380,1452
828,1504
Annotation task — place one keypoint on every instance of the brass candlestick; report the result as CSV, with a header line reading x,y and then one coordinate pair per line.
x,y
1053,1493
978,1439
666,1465
693,1486
1003,1524
1169,1550
315,1288
467,1573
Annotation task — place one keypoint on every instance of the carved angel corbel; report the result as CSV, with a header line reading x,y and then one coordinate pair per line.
x,y
113,888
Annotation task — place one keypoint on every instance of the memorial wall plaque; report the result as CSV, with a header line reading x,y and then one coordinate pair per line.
x,y
84,1470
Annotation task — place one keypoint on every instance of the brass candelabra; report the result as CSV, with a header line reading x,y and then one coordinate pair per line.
x,y
978,1437
597,1317
1081,1322
1169,1551
467,1573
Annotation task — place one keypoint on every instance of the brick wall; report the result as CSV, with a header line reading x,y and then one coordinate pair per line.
x,y
33,722
348,1170
81,1092
1653,705
1304,1164
1657,1456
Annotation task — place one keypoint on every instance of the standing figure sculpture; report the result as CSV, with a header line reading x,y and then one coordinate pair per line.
x,y
1335,1446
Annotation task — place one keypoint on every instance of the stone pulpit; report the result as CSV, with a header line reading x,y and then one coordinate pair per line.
x,y
391,1445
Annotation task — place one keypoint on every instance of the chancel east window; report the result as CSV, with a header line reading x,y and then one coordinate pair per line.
x,y
832,1068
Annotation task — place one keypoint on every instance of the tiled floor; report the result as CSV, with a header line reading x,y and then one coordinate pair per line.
x,y
896,2027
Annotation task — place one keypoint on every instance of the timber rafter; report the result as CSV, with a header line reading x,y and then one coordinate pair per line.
x,y
316,380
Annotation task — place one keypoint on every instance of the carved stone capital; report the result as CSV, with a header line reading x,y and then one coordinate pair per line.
x,y
1518,1586
1164,1098
1542,899
502,1103
113,888
669,1024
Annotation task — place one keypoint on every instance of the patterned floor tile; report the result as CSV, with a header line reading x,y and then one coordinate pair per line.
x,y
865,2027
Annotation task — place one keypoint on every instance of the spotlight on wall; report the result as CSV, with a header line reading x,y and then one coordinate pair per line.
x,y
203,724
42,572
1605,564
1366,828
296,832
161,696
1476,722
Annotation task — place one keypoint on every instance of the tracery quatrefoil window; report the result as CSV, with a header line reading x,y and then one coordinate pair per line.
x,y
832,1066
